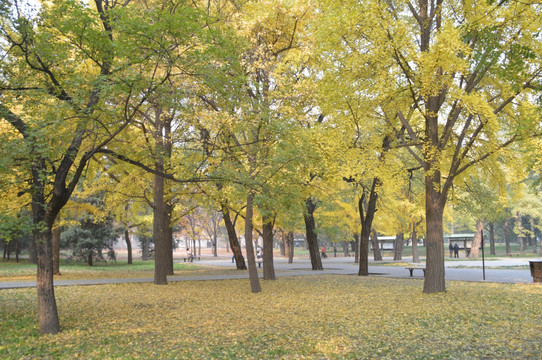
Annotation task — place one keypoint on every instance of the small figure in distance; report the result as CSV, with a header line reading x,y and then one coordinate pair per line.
x,y
456,250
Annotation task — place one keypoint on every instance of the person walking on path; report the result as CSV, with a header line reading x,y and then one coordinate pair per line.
x,y
324,252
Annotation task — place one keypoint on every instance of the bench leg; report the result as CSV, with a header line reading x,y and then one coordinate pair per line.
x,y
411,270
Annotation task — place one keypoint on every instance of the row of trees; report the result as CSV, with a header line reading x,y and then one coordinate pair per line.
x,y
266,110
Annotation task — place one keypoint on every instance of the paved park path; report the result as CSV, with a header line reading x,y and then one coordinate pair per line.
x,y
333,266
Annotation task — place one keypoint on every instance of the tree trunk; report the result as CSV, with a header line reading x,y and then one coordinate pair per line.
x,y
290,244
377,254
415,252
48,313
89,259
160,229
312,238
252,270
128,245
492,238
17,250
398,246
283,243
346,251
366,225
477,241
267,233
145,250
507,237
233,240
43,219
434,273
56,251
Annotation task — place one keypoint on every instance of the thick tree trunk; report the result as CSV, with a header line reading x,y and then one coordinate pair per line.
x,y
128,245
398,246
346,250
377,254
252,270
160,229
477,241
492,238
48,313
312,238
434,273
415,252
56,251
267,232
233,240
89,259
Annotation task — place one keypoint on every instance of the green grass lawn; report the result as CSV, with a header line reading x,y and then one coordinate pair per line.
x,y
70,270
313,317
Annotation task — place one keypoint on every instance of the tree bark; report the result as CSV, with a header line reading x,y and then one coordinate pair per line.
x,y
48,312
398,246
233,240
159,229
290,244
252,270
434,274
267,232
366,225
312,238
56,251
128,245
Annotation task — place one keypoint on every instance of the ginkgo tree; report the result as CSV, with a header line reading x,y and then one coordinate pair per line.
x,y
73,76
460,81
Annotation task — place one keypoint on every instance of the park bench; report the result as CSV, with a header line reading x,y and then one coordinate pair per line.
x,y
412,268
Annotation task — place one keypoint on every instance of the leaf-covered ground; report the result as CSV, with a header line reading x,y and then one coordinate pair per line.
x,y
315,317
